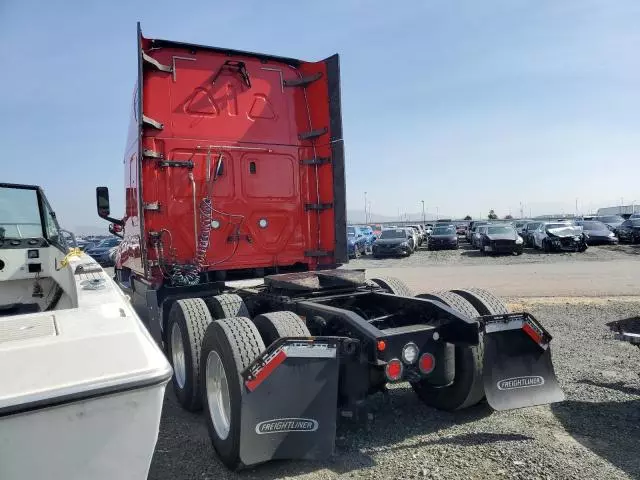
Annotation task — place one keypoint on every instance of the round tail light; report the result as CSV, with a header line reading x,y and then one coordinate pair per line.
x,y
427,363
410,353
393,370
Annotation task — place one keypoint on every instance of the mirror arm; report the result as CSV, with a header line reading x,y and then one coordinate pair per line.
x,y
113,220
112,231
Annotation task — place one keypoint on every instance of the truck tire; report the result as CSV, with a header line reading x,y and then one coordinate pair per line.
x,y
467,388
393,285
275,325
486,303
227,305
229,346
452,300
188,320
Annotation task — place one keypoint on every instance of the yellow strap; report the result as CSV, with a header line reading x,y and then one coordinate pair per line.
x,y
73,252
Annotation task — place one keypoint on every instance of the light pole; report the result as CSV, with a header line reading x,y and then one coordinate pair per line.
x,y
424,219
366,220
437,213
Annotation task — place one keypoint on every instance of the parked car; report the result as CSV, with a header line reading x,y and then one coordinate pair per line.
x,y
500,239
414,236
611,221
100,252
559,236
629,231
377,229
472,229
356,243
393,242
422,235
369,236
475,238
461,228
634,216
527,233
597,233
443,237
85,246
519,225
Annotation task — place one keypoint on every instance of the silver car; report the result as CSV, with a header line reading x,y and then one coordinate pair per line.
x,y
559,236
414,234
422,234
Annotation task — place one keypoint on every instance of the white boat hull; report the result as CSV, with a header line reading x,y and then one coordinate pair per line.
x,y
110,437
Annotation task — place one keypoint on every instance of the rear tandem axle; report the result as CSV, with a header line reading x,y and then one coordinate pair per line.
x,y
274,364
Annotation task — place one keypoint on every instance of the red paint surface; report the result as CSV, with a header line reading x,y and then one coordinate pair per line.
x,y
257,126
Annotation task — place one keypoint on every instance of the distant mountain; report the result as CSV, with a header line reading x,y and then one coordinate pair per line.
x,y
357,216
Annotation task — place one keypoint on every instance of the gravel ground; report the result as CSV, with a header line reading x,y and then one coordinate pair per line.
x,y
594,433
466,255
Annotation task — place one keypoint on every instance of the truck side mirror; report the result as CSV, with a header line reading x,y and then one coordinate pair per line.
x,y
102,201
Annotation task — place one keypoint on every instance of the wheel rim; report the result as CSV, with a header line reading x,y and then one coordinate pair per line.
x,y
177,355
218,399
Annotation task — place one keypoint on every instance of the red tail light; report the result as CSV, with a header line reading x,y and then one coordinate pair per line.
x,y
427,363
393,370
535,333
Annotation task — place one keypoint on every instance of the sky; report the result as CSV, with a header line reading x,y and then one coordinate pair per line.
x,y
467,105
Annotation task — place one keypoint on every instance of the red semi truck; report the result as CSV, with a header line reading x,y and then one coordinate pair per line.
x,y
235,162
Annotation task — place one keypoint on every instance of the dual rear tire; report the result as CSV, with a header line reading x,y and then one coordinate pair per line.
x,y
209,355
467,388
230,345
210,342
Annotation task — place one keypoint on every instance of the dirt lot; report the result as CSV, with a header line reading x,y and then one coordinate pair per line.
x,y
595,433
466,255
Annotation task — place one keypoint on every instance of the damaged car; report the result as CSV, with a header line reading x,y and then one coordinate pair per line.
x,y
559,237
527,233
500,239
597,233
629,231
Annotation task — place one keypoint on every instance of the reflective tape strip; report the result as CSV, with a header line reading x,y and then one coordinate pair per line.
x,y
513,324
310,350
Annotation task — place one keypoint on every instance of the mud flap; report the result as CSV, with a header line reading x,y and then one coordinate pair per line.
x,y
289,403
518,371
627,330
